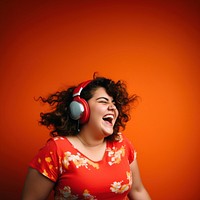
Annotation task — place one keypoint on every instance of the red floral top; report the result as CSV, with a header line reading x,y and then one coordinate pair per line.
x,y
78,177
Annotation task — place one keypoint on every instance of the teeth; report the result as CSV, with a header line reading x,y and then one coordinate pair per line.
x,y
109,116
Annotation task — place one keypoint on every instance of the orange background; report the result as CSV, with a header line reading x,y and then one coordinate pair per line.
x,y
153,46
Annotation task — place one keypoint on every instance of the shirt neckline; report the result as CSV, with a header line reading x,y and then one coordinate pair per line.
x,y
99,161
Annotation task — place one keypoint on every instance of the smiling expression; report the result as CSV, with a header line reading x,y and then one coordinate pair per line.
x,y
103,112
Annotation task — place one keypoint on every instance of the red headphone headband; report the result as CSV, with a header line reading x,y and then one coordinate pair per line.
x,y
77,90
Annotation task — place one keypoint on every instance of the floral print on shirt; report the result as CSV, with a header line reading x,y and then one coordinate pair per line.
x,y
119,187
78,160
115,155
58,159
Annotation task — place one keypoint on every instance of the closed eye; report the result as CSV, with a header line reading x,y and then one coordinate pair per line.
x,y
104,102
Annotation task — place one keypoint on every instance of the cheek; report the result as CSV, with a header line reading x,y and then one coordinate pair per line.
x,y
97,109
96,112
117,113
117,116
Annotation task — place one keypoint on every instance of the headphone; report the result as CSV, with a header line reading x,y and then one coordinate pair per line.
x,y
79,108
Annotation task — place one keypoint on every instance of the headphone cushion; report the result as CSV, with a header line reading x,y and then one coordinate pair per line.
x,y
76,110
79,110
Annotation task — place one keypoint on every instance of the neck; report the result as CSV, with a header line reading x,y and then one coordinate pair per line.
x,y
89,143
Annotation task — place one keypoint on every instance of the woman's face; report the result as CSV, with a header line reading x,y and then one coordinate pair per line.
x,y
103,112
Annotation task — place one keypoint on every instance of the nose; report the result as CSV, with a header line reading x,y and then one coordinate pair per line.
x,y
112,106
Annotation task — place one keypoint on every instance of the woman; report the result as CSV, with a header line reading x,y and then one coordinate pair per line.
x,y
87,157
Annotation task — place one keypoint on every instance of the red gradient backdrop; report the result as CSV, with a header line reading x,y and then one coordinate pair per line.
x,y
153,46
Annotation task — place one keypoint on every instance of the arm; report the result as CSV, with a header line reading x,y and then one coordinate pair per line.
x,y
37,186
138,191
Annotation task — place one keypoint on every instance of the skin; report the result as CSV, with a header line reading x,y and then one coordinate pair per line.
x,y
37,186
138,191
101,105
91,142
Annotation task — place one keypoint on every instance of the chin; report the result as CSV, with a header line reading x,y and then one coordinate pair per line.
x,y
107,133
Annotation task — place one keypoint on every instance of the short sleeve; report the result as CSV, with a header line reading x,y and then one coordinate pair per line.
x,y
131,153
46,161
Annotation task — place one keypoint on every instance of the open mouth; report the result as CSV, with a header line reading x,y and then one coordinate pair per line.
x,y
108,118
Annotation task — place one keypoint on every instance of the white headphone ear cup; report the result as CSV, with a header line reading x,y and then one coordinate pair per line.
x,y
76,110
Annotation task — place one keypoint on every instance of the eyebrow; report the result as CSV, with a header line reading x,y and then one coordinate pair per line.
x,y
105,99
102,98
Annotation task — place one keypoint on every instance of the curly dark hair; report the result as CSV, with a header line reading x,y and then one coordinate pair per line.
x,y
60,123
